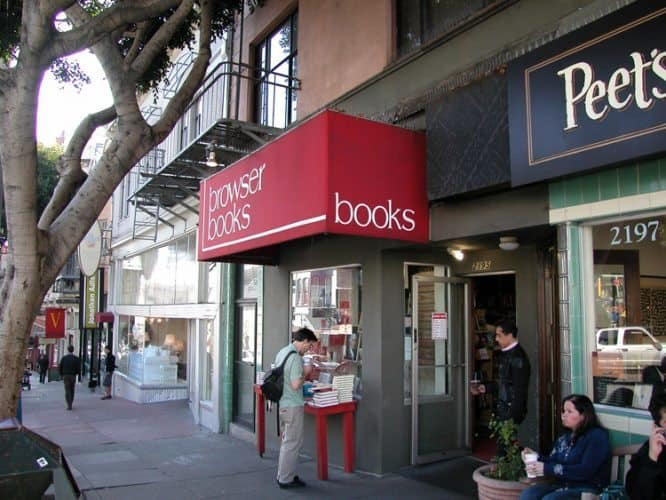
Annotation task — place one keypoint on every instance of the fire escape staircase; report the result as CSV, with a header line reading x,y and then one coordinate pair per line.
x,y
161,184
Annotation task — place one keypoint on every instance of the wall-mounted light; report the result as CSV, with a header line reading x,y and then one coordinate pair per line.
x,y
508,243
211,159
455,253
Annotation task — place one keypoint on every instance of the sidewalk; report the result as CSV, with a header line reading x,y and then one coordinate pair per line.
x,y
122,450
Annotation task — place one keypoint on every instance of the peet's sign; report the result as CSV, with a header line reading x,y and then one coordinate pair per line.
x,y
593,98
332,174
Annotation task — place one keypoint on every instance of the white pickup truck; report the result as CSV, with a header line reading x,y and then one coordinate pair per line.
x,y
623,352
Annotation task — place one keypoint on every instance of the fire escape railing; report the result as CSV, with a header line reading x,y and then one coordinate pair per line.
x,y
171,172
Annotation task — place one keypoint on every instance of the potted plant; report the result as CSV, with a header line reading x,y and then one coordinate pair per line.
x,y
501,479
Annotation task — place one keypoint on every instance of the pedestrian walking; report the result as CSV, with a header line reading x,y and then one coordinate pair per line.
x,y
43,364
291,407
110,365
69,368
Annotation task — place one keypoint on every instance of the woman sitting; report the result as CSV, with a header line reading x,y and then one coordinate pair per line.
x,y
646,479
580,459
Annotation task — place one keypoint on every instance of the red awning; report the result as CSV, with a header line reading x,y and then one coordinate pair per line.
x,y
334,173
104,317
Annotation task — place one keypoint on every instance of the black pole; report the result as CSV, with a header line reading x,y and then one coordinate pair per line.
x,y
82,334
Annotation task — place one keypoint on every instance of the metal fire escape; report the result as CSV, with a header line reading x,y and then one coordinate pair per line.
x,y
208,138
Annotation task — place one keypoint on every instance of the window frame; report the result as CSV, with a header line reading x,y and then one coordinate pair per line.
x,y
264,69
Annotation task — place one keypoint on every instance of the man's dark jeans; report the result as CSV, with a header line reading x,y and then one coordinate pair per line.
x,y
70,383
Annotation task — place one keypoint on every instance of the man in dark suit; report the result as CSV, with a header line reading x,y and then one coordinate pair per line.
x,y
69,368
510,390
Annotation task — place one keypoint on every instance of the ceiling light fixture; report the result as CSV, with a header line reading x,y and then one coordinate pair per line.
x,y
508,243
211,160
456,254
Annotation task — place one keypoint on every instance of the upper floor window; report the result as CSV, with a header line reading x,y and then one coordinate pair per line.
x,y
420,21
276,59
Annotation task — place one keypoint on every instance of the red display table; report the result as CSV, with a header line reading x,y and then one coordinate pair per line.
x,y
320,413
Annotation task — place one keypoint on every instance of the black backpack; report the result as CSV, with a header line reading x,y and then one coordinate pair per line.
x,y
274,381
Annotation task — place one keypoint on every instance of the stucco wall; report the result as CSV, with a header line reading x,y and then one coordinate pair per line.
x,y
358,47
341,43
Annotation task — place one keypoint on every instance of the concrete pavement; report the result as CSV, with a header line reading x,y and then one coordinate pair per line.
x,y
122,450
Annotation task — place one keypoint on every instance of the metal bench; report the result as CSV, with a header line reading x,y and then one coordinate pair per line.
x,y
621,455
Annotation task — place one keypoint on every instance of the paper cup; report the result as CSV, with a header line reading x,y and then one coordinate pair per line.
x,y
530,459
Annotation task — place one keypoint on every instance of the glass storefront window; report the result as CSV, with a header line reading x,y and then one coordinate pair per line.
x,y
153,350
328,301
250,282
629,297
164,275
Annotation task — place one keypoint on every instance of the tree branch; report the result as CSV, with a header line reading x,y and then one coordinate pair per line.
x,y
136,44
69,166
179,102
69,42
50,8
161,37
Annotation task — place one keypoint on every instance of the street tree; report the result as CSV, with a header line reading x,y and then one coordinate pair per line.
x,y
133,41
47,178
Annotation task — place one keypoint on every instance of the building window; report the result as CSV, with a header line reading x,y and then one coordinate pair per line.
x,y
153,350
627,310
164,275
420,21
207,329
250,281
276,59
329,304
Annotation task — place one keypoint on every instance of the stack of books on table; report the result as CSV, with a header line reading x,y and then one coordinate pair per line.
x,y
325,398
344,384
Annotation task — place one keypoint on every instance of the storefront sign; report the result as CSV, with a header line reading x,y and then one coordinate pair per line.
x,y
635,232
54,327
595,97
90,250
91,299
440,326
332,174
482,265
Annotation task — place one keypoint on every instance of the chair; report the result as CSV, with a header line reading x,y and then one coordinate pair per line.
x,y
621,455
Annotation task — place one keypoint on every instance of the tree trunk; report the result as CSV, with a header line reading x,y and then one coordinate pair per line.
x,y
22,289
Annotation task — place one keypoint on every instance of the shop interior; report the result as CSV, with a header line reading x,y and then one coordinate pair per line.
x,y
629,329
493,300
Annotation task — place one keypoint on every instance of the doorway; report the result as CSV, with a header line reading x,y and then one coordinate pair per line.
x,y
493,300
245,362
439,353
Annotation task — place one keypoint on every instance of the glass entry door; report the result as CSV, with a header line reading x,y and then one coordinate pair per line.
x,y
246,337
440,417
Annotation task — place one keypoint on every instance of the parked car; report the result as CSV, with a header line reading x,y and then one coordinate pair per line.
x,y
623,352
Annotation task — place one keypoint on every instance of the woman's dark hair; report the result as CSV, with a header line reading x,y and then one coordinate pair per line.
x,y
585,407
658,407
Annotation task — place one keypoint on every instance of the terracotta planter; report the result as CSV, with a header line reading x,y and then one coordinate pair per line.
x,y
494,489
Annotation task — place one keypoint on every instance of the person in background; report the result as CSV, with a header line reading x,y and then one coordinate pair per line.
x,y
69,368
655,375
646,479
43,364
580,459
291,407
514,376
110,365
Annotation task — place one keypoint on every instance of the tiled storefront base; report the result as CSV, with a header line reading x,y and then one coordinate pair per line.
x,y
126,388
